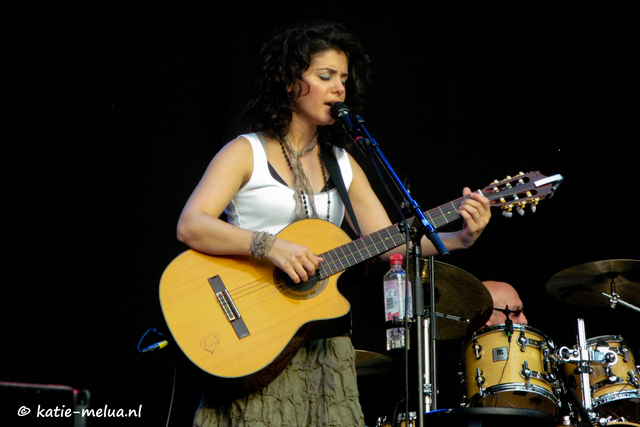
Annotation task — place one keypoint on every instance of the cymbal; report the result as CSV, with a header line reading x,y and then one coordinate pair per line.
x,y
369,362
460,294
584,284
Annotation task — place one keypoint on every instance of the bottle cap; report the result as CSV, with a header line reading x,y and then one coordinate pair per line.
x,y
395,258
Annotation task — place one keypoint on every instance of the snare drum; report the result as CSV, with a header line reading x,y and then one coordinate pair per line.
x,y
614,392
520,373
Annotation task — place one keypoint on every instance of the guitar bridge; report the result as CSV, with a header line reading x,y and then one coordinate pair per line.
x,y
229,307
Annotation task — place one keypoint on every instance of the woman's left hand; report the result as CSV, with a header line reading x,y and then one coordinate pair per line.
x,y
476,212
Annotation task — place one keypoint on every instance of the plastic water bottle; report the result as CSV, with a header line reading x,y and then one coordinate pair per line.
x,y
395,284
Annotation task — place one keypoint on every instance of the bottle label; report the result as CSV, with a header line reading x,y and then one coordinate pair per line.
x,y
394,299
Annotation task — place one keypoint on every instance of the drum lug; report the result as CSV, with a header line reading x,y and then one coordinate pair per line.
x,y
480,381
549,377
525,372
477,348
522,342
611,377
558,391
633,378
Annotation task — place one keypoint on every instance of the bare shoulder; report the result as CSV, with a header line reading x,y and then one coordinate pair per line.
x,y
239,147
230,168
358,172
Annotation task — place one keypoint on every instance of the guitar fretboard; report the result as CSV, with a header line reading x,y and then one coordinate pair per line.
x,y
364,248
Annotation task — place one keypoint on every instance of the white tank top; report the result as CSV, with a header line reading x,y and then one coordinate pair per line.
x,y
264,204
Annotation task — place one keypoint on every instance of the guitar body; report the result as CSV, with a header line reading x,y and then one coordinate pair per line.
x,y
279,318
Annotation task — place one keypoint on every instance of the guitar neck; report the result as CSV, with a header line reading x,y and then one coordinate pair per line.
x,y
511,192
364,248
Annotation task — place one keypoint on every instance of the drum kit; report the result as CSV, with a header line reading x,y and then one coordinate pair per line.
x,y
514,373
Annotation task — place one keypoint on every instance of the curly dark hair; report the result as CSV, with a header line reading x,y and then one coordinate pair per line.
x,y
283,60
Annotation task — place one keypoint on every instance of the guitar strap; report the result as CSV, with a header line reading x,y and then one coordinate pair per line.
x,y
329,158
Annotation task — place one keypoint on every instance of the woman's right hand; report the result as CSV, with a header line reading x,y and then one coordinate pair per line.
x,y
297,261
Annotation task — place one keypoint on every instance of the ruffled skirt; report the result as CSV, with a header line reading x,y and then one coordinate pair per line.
x,y
318,388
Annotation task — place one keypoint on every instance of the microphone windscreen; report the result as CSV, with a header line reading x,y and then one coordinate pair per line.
x,y
338,109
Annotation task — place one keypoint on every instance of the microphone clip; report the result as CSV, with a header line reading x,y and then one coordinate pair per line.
x,y
508,323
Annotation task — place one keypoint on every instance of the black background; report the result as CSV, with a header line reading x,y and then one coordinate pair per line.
x,y
120,109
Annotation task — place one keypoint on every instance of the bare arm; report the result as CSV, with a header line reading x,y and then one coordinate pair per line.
x,y
199,225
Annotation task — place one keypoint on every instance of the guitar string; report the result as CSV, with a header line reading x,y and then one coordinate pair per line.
x,y
363,251
435,216
358,251
354,257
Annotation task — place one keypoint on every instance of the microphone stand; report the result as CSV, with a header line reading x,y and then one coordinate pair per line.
x,y
427,400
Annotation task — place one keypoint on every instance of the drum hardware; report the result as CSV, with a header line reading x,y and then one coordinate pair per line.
x,y
400,421
573,356
477,348
523,341
526,372
448,317
480,381
583,353
576,402
600,383
614,298
633,377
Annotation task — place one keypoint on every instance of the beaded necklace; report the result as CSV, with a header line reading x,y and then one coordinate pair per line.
x,y
301,185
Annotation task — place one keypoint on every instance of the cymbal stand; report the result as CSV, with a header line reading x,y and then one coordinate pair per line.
x,y
584,367
614,298
427,336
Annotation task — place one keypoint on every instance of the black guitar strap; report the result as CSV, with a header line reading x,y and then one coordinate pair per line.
x,y
333,168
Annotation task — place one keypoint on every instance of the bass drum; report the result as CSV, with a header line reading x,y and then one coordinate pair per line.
x,y
615,392
512,373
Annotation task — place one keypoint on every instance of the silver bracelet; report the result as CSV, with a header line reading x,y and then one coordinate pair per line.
x,y
261,243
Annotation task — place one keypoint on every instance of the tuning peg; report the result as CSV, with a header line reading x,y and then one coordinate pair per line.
x,y
534,204
506,211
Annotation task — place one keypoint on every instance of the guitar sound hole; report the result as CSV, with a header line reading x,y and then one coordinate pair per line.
x,y
302,290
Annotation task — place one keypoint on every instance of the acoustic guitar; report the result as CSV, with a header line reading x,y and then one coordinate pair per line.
x,y
241,320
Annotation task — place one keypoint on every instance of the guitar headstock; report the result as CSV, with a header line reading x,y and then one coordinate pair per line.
x,y
521,190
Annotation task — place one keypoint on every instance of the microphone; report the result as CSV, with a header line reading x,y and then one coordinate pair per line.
x,y
508,323
340,113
